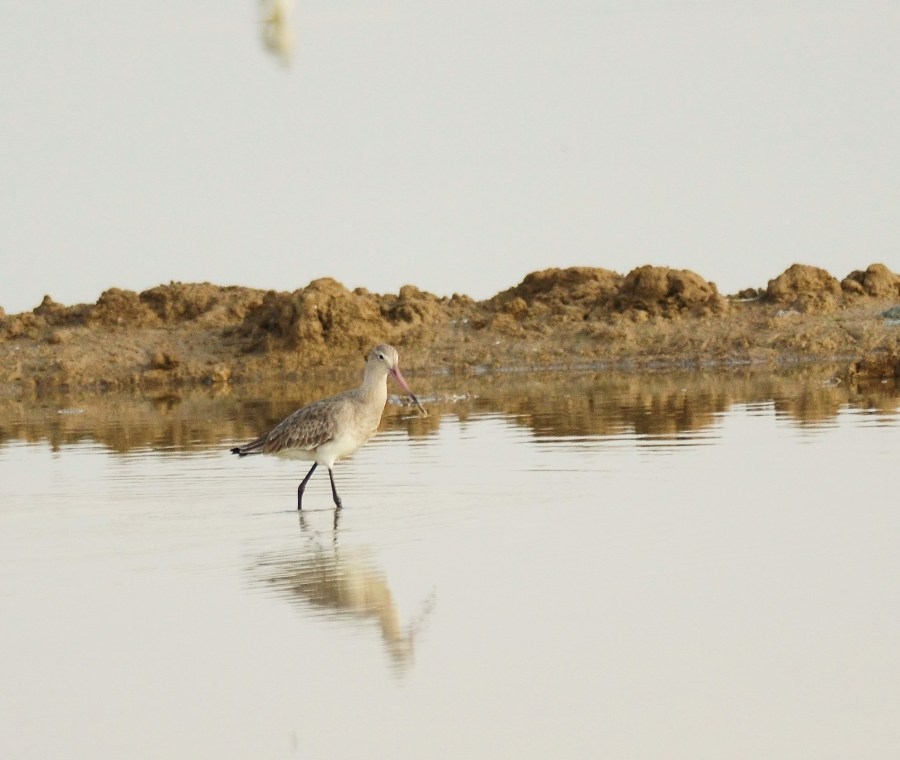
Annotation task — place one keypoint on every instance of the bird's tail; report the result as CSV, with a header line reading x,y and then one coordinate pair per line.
x,y
254,447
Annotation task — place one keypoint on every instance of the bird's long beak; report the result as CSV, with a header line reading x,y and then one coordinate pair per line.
x,y
398,376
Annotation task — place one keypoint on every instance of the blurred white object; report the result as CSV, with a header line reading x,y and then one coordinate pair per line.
x,y
277,31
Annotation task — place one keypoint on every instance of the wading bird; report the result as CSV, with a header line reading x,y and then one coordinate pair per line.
x,y
328,430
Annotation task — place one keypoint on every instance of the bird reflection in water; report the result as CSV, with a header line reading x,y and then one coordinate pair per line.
x,y
345,584
277,29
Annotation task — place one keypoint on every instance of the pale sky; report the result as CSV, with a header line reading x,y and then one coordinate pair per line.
x,y
453,145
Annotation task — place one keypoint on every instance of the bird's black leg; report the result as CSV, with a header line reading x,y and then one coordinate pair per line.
x,y
337,499
302,487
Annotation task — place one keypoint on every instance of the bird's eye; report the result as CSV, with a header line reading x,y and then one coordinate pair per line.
x,y
381,356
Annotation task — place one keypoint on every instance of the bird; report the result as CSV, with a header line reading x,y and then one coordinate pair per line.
x,y
328,430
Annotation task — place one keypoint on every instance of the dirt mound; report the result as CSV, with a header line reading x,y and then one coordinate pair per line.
x,y
165,305
565,294
51,311
810,289
207,304
324,313
177,302
122,308
590,296
805,288
48,314
168,305
579,294
180,334
661,291
25,325
53,314
563,285
876,282
412,307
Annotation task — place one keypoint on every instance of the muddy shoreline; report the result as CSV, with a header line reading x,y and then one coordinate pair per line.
x,y
187,335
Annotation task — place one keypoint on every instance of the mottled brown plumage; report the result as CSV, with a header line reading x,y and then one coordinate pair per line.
x,y
328,430
306,429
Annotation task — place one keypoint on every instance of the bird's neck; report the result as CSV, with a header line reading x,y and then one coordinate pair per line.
x,y
374,387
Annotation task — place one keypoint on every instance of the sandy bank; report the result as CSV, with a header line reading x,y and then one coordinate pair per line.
x,y
181,334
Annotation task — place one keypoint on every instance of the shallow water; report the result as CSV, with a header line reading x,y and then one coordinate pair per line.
x,y
583,565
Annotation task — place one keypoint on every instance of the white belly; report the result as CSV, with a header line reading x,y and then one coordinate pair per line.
x,y
329,453
342,446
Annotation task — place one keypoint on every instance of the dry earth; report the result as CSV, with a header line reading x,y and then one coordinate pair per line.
x,y
181,334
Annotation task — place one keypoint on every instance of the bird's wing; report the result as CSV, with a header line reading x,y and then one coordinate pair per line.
x,y
306,429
